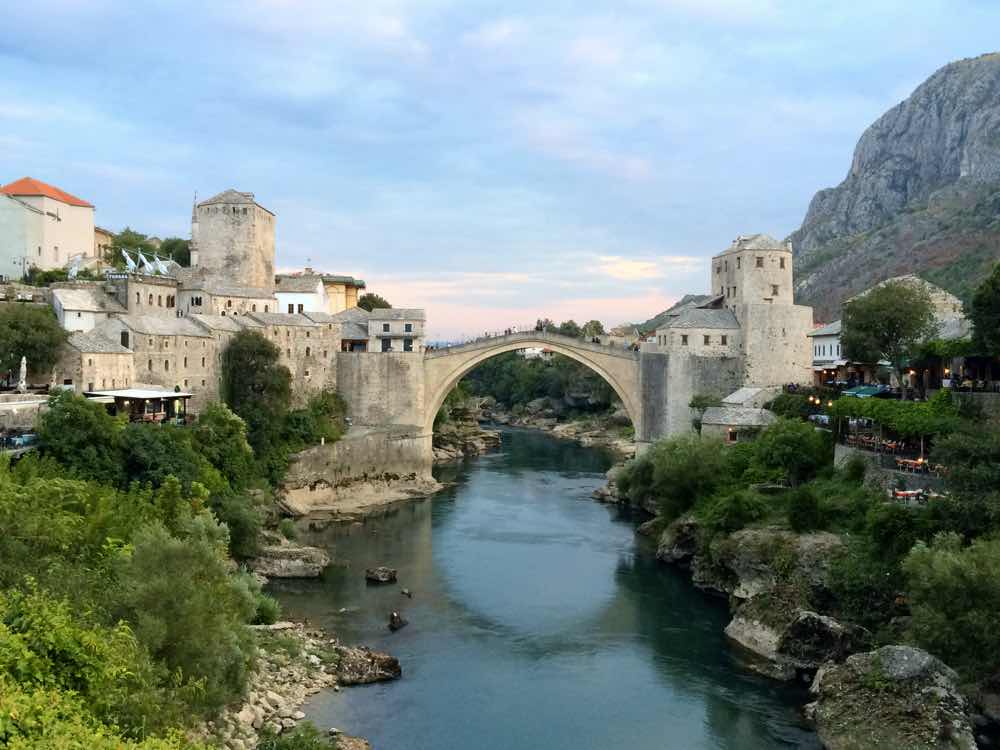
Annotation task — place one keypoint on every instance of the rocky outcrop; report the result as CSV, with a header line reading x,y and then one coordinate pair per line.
x,y
456,441
920,197
286,559
381,574
895,697
362,666
679,542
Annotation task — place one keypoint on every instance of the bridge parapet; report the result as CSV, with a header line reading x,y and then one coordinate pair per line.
x,y
532,339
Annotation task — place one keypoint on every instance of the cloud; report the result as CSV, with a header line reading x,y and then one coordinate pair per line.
x,y
493,34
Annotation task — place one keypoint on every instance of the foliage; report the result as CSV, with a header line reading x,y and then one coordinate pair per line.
x,y
288,529
731,511
937,415
972,455
790,450
194,624
700,402
804,512
221,437
29,331
985,314
371,301
177,249
151,453
792,406
305,736
130,241
82,437
593,328
676,472
39,277
570,328
866,586
888,323
955,595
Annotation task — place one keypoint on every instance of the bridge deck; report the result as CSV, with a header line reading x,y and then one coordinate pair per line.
x,y
531,339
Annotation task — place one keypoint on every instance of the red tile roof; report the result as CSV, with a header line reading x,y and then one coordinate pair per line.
x,y
31,186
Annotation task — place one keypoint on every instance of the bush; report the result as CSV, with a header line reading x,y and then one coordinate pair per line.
x,y
268,609
955,595
303,737
854,469
732,511
221,437
288,529
865,585
803,510
82,437
791,450
244,519
188,610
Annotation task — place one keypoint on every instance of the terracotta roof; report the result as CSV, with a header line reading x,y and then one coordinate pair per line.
x,y
31,186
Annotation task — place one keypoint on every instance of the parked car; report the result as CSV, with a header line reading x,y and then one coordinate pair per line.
x,y
24,441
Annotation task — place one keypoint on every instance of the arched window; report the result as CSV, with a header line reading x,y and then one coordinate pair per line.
x,y
159,300
253,308
150,299
308,351
265,308
138,299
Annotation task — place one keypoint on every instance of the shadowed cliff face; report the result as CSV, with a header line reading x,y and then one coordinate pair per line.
x,y
921,195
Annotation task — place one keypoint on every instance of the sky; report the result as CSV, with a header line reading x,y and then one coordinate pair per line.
x,y
493,162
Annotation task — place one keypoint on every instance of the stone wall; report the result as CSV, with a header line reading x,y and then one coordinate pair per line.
x,y
235,244
775,345
367,468
382,388
20,412
94,371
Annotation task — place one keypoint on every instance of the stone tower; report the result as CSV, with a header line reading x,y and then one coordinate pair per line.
x,y
753,278
232,241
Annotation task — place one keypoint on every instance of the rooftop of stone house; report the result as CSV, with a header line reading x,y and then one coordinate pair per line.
x,y
157,325
297,282
397,313
830,329
87,299
282,319
224,290
747,242
231,197
228,323
93,342
698,317
737,416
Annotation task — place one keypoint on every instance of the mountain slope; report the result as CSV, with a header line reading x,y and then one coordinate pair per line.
x,y
922,195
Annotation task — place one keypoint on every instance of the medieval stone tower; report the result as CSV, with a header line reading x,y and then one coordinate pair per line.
x,y
232,241
753,277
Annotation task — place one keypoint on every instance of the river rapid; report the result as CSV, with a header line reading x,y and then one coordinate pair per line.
x,y
538,620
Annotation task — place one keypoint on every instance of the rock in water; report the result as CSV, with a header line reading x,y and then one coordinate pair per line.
x,y
381,574
407,593
360,666
396,622
895,697
290,561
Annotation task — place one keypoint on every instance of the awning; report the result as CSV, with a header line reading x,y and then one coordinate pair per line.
x,y
865,391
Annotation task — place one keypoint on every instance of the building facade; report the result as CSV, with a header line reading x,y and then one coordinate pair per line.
x,y
232,241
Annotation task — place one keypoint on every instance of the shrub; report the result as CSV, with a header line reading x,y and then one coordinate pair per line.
x,y
221,437
854,469
729,512
304,737
803,510
243,518
955,595
792,450
865,585
82,437
288,529
268,609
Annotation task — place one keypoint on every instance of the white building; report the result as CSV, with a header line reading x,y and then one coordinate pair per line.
x,y
301,293
42,226
81,309
396,330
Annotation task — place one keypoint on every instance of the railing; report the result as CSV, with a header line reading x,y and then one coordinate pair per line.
x,y
529,334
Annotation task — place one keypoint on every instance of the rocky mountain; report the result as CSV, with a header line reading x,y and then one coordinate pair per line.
x,y
922,195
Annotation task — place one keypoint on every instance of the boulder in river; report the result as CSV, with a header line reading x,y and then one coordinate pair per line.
x,y
381,574
894,697
289,560
397,622
361,665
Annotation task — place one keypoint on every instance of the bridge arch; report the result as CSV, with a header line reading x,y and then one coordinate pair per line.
x,y
444,368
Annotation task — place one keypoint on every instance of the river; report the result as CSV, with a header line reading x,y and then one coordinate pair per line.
x,y
538,620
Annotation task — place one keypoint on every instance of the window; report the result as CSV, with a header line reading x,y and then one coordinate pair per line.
x,y
408,327
760,261
151,342
90,363
185,383
708,340
229,303
291,309
725,340
386,345
684,340
324,354
79,315
203,381
104,383
731,436
166,365
407,345
265,308
726,264
385,328
202,361
308,351
739,261
90,386
308,334
307,373
718,270
150,365
185,364
159,300
781,262
301,309
289,353
150,300
774,290
138,299
39,251
253,308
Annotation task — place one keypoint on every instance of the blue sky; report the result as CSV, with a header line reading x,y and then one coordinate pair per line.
x,y
490,161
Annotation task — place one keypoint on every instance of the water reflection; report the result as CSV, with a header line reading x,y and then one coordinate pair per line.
x,y
537,621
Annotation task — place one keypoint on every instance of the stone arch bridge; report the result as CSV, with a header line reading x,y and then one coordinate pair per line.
x,y
620,367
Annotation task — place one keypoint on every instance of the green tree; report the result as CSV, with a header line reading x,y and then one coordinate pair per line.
x,y
888,323
593,328
176,248
33,332
183,604
545,324
790,450
371,301
221,437
256,386
570,328
151,453
699,403
985,314
83,437
132,242
955,595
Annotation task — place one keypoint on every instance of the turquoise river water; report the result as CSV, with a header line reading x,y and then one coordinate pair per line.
x,y
538,620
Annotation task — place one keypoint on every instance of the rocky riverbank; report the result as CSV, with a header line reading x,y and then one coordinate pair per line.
x,y
457,440
776,583
294,663
609,430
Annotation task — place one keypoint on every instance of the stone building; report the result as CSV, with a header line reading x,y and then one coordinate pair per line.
x,y
91,361
396,330
232,241
42,226
307,292
80,307
197,296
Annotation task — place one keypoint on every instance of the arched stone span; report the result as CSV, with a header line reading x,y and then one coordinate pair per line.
x,y
443,368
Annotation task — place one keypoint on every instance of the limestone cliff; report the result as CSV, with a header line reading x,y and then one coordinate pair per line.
x,y
922,194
